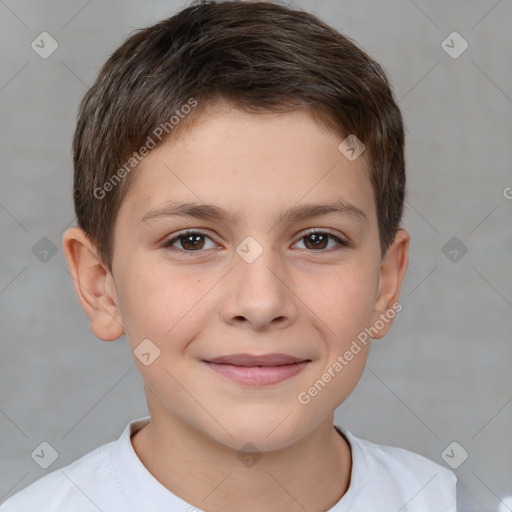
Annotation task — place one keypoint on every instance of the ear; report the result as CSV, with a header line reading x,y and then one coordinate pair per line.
x,y
392,271
94,285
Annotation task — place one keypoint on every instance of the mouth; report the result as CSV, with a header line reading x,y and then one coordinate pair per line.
x,y
257,370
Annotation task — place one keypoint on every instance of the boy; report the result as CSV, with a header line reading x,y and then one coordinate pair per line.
x,y
239,186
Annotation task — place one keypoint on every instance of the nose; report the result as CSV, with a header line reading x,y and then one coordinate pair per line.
x,y
260,293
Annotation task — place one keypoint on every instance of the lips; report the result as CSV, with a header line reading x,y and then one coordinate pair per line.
x,y
254,370
250,360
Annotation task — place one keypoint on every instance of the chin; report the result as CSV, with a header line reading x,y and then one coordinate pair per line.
x,y
267,435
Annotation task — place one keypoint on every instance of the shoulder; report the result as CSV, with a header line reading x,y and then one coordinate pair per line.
x,y
402,476
409,465
77,486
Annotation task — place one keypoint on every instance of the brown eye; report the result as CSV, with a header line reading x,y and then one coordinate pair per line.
x,y
316,241
189,241
319,240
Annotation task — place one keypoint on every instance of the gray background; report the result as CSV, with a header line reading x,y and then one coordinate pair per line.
x,y
441,375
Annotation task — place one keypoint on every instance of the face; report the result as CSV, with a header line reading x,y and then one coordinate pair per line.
x,y
250,277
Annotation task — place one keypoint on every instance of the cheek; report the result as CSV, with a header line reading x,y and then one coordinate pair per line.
x,y
342,306
343,302
157,304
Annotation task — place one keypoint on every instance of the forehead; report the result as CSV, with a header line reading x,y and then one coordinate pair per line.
x,y
250,164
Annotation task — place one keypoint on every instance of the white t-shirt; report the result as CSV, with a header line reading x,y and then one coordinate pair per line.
x,y
112,478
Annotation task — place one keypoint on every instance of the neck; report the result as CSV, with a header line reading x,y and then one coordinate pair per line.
x,y
311,474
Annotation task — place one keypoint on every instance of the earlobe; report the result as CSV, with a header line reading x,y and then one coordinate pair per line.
x,y
392,272
93,285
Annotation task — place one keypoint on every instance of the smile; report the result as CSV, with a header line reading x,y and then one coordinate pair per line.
x,y
258,370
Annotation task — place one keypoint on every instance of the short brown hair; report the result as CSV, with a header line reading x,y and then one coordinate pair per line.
x,y
258,56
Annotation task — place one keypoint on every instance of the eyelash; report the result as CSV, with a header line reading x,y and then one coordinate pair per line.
x,y
341,242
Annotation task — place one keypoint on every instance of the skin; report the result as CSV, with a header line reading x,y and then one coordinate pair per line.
x,y
208,302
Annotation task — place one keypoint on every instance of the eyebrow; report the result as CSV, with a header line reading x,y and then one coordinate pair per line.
x,y
293,213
